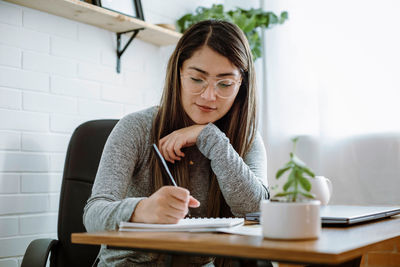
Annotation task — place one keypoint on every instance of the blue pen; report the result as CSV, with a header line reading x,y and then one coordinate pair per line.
x,y
164,164
166,168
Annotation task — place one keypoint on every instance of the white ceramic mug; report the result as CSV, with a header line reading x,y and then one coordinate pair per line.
x,y
321,187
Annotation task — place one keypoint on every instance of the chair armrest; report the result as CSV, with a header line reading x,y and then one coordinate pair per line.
x,y
37,252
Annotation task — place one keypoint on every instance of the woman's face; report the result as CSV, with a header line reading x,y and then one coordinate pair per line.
x,y
210,84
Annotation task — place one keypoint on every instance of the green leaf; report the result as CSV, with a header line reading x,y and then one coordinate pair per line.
x,y
261,20
250,24
308,171
292,175
181,22
256,52
287,185
284,17
281,171
240,20
290,164
305,183
308,195
295,139
284,194
218,9
273,19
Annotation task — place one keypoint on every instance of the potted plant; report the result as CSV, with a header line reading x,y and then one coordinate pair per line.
x,y
247,20
292,213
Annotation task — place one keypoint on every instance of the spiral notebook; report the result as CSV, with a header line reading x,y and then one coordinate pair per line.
x,y
187,224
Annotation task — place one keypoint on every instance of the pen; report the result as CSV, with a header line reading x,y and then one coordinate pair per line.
x,y
164,163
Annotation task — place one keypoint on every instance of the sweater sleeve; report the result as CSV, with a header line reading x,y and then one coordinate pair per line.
x,y
108,205
243,181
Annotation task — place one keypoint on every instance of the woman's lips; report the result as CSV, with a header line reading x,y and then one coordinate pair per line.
x,y
205,108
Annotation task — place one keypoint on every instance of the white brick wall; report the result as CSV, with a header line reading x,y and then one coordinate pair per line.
x,y
8,262
33,224
38,183
19,37
74,87
56,162
21,79
15,204
8,226
19,162
42,62
51,24
55,74
22,120
65,123
9,183
96,72
49,103
10,140
10,14
10,99
10,56
44,142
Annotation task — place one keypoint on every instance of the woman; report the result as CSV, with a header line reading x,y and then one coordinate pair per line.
x,y
205,127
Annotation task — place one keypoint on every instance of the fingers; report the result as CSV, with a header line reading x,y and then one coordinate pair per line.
x,y
177,149
177,206
181,200
193,203
170,147
169,204
172,204
171,150
177,192
172,144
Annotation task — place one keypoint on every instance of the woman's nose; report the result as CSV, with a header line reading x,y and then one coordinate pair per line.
x,y
209,93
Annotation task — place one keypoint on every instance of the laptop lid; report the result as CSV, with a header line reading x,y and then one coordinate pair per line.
x,y
346,214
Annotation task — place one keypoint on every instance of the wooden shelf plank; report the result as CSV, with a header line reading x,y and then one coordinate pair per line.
x,y
103,18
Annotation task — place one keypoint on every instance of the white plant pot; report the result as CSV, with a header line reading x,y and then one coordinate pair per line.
x,y
290,220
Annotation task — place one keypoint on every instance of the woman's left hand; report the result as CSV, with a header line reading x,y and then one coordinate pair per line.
x,y
170,146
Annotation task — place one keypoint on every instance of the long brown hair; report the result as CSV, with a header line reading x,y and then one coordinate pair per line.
x,y
239,124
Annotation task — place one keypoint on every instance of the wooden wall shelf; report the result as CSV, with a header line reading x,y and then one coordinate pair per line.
x,y
103,18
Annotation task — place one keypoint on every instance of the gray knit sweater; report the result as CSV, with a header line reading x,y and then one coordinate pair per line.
x,y
123,179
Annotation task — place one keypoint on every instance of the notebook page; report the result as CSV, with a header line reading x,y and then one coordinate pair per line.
x,y
185,224
251,230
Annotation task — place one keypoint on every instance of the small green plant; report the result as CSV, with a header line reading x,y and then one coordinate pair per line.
x,y
298,180
247,20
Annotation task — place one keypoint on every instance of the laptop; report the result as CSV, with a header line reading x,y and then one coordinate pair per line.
x,y
346,214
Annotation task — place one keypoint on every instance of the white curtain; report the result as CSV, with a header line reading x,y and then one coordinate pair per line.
x,y
333,78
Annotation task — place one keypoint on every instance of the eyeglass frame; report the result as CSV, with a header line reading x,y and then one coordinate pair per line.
x,y
237,84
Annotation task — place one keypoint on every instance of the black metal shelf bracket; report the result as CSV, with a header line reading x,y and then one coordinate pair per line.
x,y
121,51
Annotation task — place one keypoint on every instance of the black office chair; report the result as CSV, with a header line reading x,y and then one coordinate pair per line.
x,y
81,163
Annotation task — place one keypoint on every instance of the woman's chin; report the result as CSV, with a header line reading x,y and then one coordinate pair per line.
x,y
199,117
203,120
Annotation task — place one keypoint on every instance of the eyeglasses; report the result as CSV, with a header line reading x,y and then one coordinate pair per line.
x,y
224,88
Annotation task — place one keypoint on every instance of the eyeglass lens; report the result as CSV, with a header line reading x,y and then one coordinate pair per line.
x,y
223,88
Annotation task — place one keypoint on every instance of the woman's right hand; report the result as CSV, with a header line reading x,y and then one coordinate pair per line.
x,y
168,204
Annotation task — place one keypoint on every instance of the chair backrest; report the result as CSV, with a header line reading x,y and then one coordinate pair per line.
x,y
81,163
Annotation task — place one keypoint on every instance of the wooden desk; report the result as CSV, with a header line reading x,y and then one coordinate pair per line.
x,y
336,245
